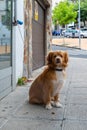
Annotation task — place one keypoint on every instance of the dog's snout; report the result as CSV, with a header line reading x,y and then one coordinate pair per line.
x,y
58,60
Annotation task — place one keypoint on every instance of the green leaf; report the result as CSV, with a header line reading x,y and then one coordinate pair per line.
x,y
64,13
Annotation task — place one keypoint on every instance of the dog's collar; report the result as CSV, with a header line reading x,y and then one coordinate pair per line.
x,y
59,69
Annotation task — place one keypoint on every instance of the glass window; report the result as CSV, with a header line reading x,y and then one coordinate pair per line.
x,y
5,33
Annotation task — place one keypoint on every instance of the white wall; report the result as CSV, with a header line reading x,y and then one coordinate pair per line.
x,y
18,42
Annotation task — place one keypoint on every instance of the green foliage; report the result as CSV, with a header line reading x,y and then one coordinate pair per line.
x,y
64,13
83,9
6,19
22,81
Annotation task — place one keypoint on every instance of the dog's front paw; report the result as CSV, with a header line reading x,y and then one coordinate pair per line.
x,y
58,104
48,106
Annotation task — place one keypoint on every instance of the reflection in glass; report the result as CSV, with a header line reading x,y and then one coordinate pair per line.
x,y
5,33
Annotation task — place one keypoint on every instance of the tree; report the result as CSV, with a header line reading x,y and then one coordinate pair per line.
x,y
64,13
6,19
83,10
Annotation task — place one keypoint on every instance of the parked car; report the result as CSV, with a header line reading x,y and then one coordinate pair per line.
x,y
67,33
84,29
74,33
83,34
56,33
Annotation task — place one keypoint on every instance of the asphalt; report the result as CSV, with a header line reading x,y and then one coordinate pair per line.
x,y
17,114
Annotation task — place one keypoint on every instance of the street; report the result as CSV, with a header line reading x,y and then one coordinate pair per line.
x,y
76,53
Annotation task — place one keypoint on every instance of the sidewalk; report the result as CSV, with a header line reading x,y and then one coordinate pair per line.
x,y
70,42
17,114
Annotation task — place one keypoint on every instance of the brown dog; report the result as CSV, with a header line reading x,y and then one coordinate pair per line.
x,y
48,84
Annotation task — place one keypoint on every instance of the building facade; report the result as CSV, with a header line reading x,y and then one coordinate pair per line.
x,y
25,37
37,33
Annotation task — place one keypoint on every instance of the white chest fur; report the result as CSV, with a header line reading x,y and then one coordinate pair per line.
x,y
58,83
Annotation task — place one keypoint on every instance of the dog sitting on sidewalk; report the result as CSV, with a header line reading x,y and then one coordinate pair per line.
x,y
46,87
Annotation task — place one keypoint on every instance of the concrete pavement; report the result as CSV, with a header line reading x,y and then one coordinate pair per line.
x,y
17,114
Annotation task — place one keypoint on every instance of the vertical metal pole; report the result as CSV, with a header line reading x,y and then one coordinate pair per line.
x,y
79,27
13,30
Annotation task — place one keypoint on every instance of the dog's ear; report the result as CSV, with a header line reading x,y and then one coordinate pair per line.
x,y
66,57
49,58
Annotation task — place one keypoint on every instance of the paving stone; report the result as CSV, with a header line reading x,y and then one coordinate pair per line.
x,y
39,112
75,111
20,124
74,125
77,85
12,101
77,78
79,90
77,99
3,121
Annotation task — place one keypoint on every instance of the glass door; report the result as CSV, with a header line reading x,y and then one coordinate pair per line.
x,y
5,46
5,34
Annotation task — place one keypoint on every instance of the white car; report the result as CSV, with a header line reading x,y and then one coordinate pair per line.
x,y
84,31
74,33
83,34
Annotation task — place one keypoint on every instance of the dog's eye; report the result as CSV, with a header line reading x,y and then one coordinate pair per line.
x,y
61,55
54,56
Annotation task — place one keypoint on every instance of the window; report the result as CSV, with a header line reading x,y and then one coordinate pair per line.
x,y
5,34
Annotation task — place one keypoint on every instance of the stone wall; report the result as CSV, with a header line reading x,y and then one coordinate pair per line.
x,y
27,70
